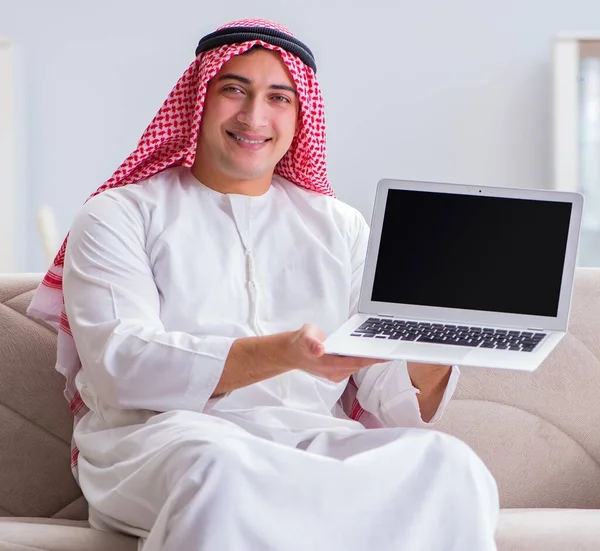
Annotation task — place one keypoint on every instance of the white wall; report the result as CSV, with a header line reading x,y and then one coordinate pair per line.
x,y
451,91
7,160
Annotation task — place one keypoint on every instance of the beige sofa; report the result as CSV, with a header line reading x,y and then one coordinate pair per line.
x,y
539,434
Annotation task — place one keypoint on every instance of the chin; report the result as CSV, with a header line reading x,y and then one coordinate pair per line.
x,y
245,173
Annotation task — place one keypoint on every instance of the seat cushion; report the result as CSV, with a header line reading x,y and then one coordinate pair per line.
x,y
29,534
518,530
549,529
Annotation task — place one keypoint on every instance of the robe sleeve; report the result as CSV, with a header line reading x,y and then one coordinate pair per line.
x,y
385,390
113,307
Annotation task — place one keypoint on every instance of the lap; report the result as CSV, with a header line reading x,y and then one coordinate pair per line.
x,y
174,438
134,470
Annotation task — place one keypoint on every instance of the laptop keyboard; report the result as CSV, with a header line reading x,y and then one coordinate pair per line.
x,y
441,333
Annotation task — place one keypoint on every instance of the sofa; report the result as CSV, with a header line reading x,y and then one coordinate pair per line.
x,y
539,433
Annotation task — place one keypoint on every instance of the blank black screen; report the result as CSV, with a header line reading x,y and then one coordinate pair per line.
x,y
472,252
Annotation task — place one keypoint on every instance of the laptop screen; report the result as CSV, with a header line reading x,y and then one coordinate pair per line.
x,y
472,252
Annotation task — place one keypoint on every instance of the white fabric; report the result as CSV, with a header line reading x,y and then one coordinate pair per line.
x,y
160,278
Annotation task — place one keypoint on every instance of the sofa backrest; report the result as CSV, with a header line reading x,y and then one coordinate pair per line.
x,y
539,433
35,422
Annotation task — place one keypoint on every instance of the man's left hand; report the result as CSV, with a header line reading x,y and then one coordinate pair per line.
x,y
431,380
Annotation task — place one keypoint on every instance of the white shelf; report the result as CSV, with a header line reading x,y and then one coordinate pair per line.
x,y
577,36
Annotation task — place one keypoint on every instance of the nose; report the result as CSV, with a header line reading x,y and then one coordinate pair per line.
x,y
253,113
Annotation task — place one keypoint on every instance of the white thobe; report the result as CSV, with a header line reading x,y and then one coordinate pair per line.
x,y
160,278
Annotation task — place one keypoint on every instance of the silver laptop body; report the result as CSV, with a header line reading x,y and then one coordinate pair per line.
x,y
457,274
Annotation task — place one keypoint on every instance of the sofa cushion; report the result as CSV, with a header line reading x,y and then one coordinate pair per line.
x,y
549,530
35,477
29,534
518,530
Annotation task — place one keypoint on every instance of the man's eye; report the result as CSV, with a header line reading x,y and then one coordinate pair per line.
x,y
232,89
281,99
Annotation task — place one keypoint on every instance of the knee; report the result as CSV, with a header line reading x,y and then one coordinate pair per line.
x,y
210,460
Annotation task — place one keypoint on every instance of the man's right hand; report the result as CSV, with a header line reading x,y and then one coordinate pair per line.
x,y
254,359
306,351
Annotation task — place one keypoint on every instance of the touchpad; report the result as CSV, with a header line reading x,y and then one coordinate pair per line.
x,y
434,353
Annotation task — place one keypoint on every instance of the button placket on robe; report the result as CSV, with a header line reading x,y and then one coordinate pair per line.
x,y
241,208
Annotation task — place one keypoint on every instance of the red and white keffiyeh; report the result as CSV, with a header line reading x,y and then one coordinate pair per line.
x,y
171,140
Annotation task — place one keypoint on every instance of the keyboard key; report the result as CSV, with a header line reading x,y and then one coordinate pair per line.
x,y
463,342
431,340
530,342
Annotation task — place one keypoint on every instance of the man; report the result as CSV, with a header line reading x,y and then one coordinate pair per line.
x,y
207,414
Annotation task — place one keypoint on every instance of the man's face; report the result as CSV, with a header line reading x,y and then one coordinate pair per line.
x,y
250,117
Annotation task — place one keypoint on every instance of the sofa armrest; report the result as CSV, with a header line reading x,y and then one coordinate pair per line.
x,y
539,433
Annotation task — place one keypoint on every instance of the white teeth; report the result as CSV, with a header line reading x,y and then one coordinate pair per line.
x,y
239,139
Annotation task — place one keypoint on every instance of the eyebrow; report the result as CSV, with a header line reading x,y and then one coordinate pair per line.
x,y
247,81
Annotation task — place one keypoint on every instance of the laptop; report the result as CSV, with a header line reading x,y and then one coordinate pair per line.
x,y
467,275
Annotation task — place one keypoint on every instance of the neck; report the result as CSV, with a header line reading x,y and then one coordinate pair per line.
x,y
223,183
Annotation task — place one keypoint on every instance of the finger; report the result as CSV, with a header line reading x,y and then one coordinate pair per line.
x,y
317,349
312,339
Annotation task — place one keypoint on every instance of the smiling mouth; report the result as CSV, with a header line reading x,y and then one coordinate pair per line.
x,y
246,140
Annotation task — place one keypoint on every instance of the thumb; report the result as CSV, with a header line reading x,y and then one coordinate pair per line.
x,y
311,338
